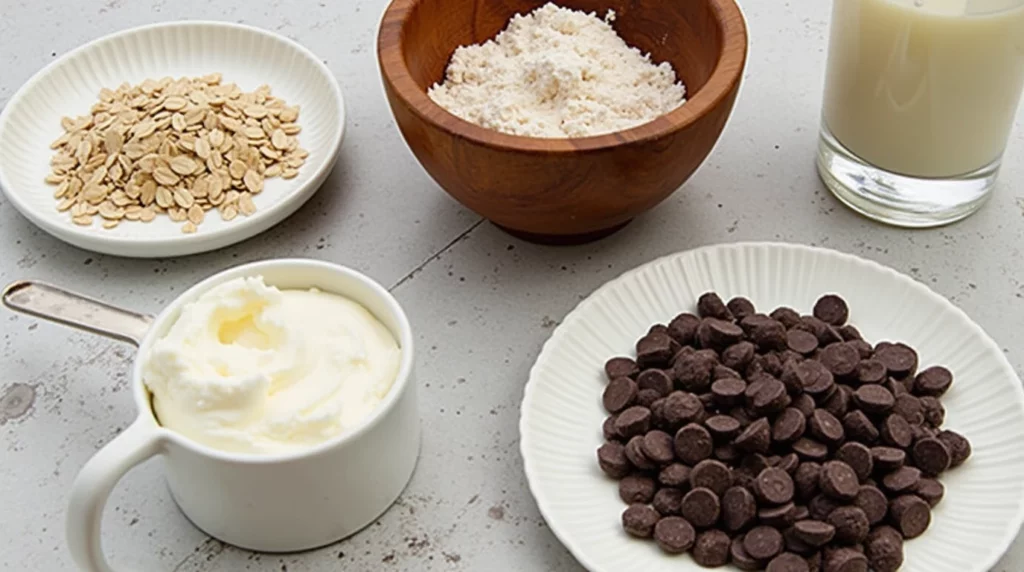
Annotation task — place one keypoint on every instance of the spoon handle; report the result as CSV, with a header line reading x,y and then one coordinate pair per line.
x,y
63,307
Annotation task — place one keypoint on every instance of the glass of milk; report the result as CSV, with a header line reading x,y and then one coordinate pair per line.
x,y
920,99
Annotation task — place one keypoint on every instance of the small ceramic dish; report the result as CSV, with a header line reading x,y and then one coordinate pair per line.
x,y
247,56
560,426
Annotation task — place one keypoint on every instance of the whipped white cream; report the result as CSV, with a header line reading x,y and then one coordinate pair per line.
x,y
249,368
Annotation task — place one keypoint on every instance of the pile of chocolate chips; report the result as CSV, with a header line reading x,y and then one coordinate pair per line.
x,y
779,441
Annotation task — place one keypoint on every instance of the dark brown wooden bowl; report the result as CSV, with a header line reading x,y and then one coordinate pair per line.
x,y
563,190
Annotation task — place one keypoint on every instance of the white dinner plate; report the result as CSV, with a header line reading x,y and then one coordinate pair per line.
x,y
560,424
247,56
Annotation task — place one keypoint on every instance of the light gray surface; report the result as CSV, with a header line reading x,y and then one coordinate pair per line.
x,y
481,303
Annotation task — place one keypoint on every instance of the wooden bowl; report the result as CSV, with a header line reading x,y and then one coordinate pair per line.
x,y
563,190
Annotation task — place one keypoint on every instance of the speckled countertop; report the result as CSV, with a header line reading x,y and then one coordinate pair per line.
x,y
481,302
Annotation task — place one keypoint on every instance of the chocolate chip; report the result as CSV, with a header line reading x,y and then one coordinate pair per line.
x,y
840,358
712,549
958,445
701,507
887,459
851,524
825,427
810,449
894,386
722,427
683,328
656,380
668,501
931,455
741,307
910,515
619,394
739,508
647,398
727,453
859,428
775,486
766,333
804,403
621,367
728,392
897,358
763,542
723,372
815,533
930,490
858,456
639,520
874,399
636,456
756,438
693,444
738,356
863,348
934,412
839,481
933,381
674,535
612,459
655,350
681,408
675,475
718,334
609,430
637,489
821,506
658,447
873,502
787,562
780,517
710,305
902,480
789,463
788,317
871,371
770,398
910,408
633,421
832,310
896,431
801,342
739,557
845,560
711,474
839,402
805,480
693,372
814,377
884,549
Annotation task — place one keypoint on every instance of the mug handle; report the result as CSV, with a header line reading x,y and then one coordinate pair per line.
x,y
93,486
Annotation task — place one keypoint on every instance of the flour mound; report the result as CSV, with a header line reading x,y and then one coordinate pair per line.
x,y
557,73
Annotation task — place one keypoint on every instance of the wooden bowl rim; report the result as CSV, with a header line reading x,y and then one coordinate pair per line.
x,y
723,80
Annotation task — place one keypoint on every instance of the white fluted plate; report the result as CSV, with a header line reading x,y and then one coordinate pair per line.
x,y
247,56
560,424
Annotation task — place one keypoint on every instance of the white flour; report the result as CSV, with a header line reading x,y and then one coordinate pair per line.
x,y
557,73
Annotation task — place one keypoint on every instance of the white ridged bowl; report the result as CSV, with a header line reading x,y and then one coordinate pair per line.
x,y
244,55
560,424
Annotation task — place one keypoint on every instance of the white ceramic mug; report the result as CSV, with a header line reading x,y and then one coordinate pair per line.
x,y
270,503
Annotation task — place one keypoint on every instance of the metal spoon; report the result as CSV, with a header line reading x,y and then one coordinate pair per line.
x,y
55,304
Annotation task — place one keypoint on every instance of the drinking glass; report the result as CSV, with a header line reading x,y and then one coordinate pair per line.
x,y
920,100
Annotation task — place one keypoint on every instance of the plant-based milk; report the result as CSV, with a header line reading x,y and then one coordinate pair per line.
x,y
926,88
